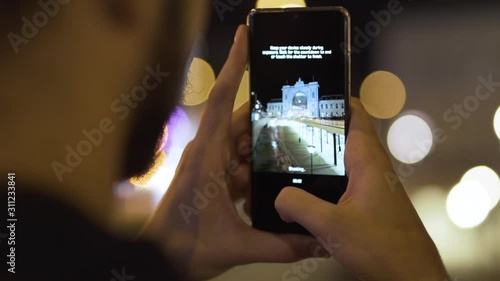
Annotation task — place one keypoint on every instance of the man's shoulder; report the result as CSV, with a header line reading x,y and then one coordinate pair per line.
x,y
53,241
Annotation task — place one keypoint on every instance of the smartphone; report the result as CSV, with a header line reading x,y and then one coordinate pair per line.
x,y
299,91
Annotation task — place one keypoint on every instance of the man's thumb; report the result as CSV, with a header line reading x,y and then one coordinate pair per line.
x,y
316,215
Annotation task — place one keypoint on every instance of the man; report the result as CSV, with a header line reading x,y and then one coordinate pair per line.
x,y
86,91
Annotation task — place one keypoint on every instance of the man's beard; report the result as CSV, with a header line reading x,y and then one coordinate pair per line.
x,y
150,117
149,120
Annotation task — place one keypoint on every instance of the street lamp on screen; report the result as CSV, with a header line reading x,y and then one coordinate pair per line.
x,y
311,149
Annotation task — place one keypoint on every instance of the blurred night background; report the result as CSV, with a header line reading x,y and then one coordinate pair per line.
x,y
429,74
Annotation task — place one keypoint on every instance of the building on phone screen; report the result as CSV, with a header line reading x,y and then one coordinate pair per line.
x,y
302,100
332,106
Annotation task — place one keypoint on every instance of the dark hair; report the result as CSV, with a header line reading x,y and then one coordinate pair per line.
x,y
13,10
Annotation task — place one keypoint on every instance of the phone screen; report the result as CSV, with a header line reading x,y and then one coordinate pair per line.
x,y
299,87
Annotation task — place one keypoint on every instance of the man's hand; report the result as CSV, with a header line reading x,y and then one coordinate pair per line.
x,y
378,233
196,223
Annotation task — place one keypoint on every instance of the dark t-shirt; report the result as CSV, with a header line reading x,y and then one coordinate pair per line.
x,y
54,242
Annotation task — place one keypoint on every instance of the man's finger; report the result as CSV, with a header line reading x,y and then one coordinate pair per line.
x,y
217,115
240,182
320,217
241,121
360,120
363,147
241,147
260,246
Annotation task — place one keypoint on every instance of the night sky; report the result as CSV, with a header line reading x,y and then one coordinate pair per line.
x,y
268,76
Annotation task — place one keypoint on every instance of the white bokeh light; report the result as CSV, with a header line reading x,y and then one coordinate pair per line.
x,y
488,179
467,204
430,204
280,3
496,122
410,139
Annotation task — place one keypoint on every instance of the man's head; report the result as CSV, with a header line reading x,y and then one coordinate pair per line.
x,y
98,59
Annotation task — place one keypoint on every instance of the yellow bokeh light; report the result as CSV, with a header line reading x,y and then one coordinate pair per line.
x,y
200,80
409,139
430,204
280,3
383,94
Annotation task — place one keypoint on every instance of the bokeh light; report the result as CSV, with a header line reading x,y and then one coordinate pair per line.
x,y
488,179
409,139
430,204
496,122
383,94
280,3
468,204
178,132
199,81
143,180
